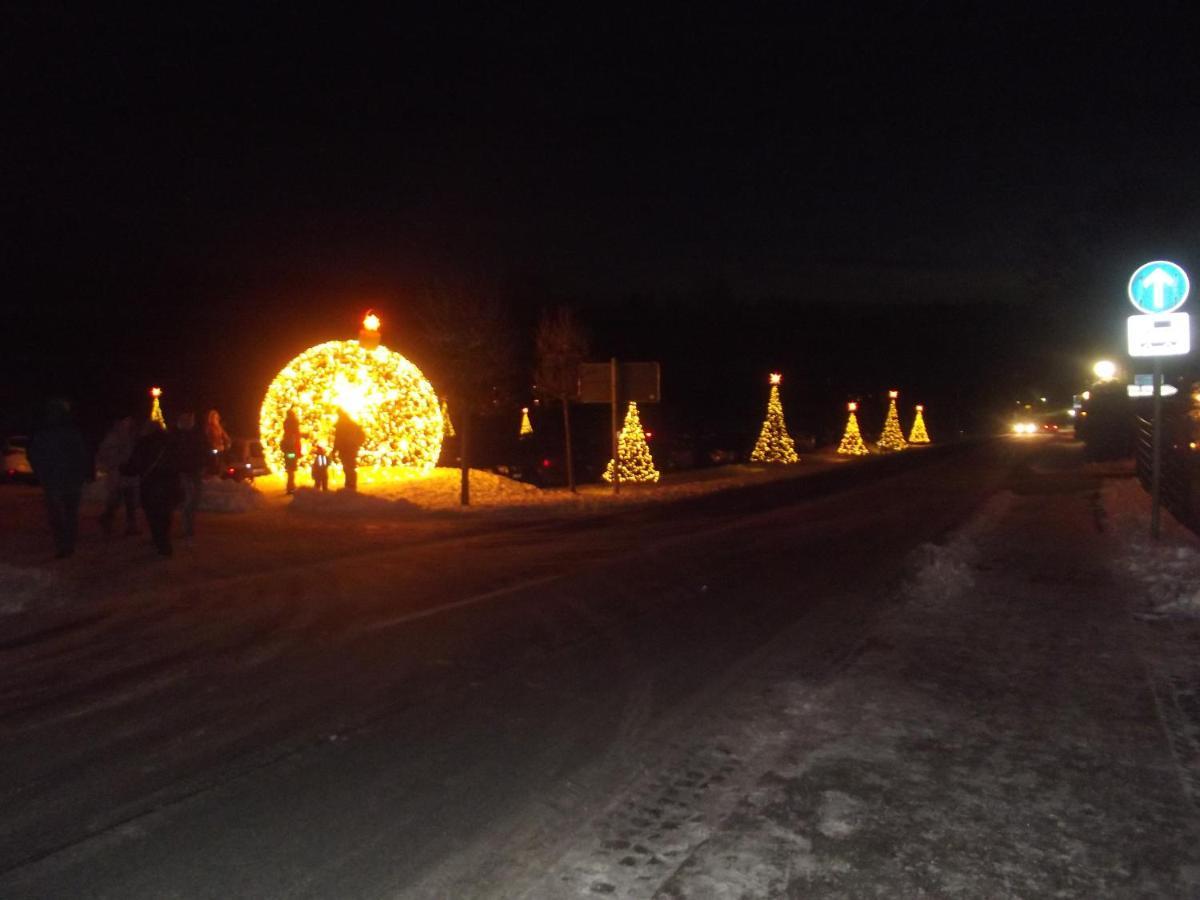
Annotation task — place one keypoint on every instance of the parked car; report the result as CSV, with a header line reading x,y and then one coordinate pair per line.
x,y
16,459
244,460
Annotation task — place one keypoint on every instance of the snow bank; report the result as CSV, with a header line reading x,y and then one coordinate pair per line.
x,y
1167,571
21,589
943,572
489,491
218,495
221,495
350,503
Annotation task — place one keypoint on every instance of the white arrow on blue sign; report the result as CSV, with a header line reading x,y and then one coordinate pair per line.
x,y
1158,287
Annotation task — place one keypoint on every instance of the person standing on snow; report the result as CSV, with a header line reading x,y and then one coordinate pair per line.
x,y
115,450
348,438
193,457
219,442
155,461
61,462
290,445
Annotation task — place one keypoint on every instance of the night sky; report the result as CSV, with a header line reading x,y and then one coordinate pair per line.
x,y
945,201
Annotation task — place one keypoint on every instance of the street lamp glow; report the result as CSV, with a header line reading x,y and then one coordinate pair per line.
x,y
1105,370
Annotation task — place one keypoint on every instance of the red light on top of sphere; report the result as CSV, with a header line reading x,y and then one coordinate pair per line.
x,y
852,406
371,321
776,378
156,392
920,408
893,394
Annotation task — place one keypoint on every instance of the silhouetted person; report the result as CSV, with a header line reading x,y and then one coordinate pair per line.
x,y
290,445
119,490
347,440
61,462
219,442
193,453
155,461
320,468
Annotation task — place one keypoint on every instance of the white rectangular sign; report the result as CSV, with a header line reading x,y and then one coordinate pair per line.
x,y
1169,335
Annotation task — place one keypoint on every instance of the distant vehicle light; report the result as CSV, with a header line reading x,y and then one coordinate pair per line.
x,y
1024,428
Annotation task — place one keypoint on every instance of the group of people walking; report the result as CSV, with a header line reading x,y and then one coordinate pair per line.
x,y
143,465
158,469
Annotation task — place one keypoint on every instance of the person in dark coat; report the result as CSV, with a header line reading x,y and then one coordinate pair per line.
x,y
193,449
290,445
348,438
155,461
62,464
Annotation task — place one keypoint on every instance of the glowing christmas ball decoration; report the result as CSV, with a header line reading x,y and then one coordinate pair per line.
x,y
387,395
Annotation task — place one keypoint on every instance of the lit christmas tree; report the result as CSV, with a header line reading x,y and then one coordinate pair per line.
x,y
919,435
892,437
774,444
526,425
449,429
852,441
156,414
636,463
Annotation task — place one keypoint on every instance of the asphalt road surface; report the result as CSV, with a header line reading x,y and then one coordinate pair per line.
x,y
294,708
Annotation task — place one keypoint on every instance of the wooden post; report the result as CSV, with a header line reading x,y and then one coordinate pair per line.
x,y
616,444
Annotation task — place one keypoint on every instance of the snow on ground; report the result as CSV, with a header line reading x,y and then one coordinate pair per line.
x,y
398,492
217,495
1167,570
22,588
954,757
942,572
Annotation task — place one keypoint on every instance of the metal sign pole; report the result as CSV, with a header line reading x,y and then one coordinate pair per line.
x,y
1156,477
616,445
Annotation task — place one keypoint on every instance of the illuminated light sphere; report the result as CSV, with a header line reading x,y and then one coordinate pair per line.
x,y
1105,370
371,321
776,378
387,395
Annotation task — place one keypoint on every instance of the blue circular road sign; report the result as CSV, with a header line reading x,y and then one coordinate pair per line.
x,y
1158,287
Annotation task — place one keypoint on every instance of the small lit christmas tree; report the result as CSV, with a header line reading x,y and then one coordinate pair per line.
x,y
774,444
852,441
526,425
156,413
448,426
919,435
892,437
637,465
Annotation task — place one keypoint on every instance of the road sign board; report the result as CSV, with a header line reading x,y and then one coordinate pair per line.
x,y
636,381
1169,335
1159,287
